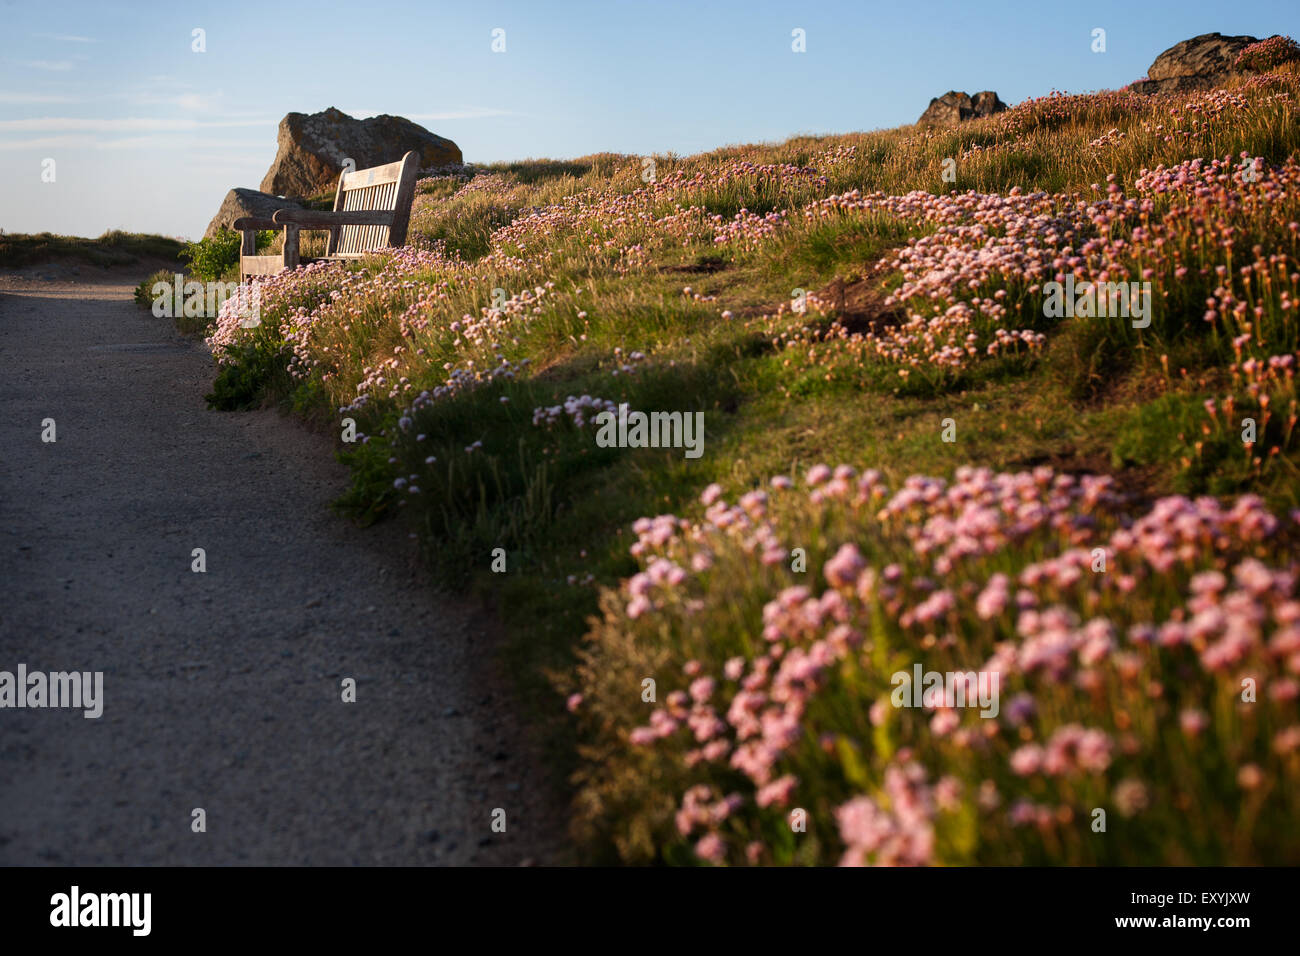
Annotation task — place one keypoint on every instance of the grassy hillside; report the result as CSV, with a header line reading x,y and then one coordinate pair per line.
x,y
838,301
113,248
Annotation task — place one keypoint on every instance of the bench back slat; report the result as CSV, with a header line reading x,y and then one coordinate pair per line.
x,y
391,186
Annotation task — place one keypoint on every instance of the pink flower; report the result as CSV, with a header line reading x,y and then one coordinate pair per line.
x,y
1284,689
817,474
994,598
662,724
1027,760
1193,722
1287,740
777,792
945,722
947,793
711,848
702,689
716,749
843,569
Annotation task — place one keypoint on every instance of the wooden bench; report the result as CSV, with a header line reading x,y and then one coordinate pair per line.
x,y
372,208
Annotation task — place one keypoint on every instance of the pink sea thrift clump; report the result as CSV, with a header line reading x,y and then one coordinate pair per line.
x,y
1267,54
1081,603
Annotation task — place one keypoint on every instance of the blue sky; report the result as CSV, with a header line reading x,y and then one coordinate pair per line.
x,y
148,135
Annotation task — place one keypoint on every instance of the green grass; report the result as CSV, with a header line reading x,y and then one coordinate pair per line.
x,y
113,248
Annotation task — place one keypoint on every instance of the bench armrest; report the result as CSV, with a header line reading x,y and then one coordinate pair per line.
x,y
321,219
253,222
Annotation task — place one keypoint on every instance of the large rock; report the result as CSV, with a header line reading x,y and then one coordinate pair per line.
x,y
245,202
953,108
1201,63
1207,54
314,146
987,103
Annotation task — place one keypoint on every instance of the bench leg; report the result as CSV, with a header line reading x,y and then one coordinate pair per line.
x,y
291,245
247,247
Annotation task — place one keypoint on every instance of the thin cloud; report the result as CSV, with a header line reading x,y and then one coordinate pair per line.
x,y
189,101
157,141
54,66
124,125
194,102
24,98
474,112
65,38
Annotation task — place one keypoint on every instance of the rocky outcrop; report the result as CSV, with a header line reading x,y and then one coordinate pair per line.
x,y
1205,55
313,148
1201,63
953,108
987,103
245,202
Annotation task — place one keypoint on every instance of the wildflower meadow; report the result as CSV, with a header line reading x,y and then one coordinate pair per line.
x,y
911,464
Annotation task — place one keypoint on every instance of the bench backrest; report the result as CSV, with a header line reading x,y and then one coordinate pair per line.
x,y
391,186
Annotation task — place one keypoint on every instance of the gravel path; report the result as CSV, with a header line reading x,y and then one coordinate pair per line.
x,y
222,690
